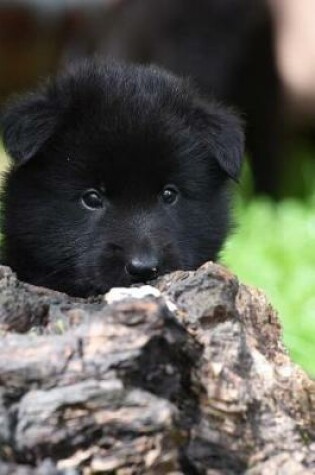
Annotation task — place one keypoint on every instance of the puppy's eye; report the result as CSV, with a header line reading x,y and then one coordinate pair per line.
x,y
169,194
92,199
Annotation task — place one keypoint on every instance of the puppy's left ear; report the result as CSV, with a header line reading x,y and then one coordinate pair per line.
x,y
224,136
27,124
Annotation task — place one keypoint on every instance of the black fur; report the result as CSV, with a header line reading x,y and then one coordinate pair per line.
x,y
127,132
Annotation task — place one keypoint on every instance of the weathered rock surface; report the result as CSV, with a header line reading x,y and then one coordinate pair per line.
x,y
193,379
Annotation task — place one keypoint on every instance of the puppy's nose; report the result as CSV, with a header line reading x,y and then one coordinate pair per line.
x,y
142,268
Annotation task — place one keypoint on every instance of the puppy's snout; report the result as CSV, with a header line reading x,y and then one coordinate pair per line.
x,y
142,268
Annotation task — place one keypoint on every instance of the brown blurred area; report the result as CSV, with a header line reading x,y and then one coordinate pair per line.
x,y
30,45
37,36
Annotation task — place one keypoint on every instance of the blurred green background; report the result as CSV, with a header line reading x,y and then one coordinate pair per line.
x,y
273,248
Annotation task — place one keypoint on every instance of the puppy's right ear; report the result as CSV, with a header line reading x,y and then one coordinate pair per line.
x,y
27,124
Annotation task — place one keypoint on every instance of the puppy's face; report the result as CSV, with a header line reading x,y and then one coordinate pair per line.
x,y
119,176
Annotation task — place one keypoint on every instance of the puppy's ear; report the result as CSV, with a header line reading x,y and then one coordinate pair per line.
x,y
27,124
224,135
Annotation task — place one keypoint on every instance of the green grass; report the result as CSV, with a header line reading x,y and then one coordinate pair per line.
x,y
273,249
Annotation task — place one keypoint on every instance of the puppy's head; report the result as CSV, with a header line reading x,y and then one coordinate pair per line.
x,y
119,175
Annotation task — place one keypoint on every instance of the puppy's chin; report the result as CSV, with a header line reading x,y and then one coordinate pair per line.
x,y
98,284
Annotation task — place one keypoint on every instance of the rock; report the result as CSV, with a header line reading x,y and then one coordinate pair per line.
x,y
188,377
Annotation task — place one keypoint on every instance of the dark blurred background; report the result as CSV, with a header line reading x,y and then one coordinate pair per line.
x,y
257,56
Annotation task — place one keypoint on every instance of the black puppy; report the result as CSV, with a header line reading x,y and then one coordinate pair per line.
x,y
119,175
